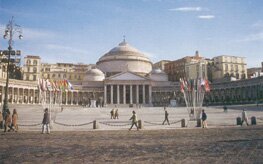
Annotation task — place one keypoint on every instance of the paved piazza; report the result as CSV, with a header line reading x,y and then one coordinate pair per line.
x,y
222,142
80,119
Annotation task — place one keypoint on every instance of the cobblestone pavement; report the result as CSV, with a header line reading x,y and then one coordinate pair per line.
x,y
213,145
74,118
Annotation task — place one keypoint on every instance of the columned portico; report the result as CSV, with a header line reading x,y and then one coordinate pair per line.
x,y
118,94
131,101
111,94
124,94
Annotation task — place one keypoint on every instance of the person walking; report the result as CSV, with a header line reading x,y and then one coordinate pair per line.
x,y
112,114
14,121
244,117
204,118
46,122
166,116
134,120
8,121
116,114
1,120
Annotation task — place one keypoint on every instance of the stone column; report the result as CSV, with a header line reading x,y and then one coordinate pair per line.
x,y
71,100
143,94
2,94
34,96
18,95
111,94
150,94
13,95
66,95
105,95
77,98
124,94
39,95
137,94
23,97
118,94
131,101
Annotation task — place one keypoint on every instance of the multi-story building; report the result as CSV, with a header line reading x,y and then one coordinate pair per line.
x,y
15,61
160,64
31,68
196,69
177,69
229,66
70,71
253,72
123,76
34,69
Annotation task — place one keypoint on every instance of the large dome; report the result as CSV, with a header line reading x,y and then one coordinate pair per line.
x,y
124,58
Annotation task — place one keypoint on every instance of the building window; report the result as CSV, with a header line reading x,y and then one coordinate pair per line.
x,y
35,62
28,69
34,77
53,75
59,75
48,76
226,67
28,62
35,70
27,77
64,76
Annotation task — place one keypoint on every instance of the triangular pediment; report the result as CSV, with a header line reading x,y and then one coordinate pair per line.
x,y
127,76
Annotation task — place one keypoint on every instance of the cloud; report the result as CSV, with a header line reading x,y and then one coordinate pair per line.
x,y
37,34
65,50
32,34
187,9
151,56
206,16
252,38
258,24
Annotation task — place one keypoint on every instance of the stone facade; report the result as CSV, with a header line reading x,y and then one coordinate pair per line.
x,y
123,77
161,64
177,69
31,68
236,92
229,66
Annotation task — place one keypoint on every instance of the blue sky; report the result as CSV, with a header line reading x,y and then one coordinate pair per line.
x,y
81,31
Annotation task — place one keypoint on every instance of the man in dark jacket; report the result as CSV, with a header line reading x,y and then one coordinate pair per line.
x,y
46,122
204,117
166,116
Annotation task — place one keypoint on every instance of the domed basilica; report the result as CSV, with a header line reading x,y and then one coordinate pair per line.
x,y
124,76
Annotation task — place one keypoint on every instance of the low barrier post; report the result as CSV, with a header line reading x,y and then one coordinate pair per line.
x,y
95,125
253,120
140,124
183,123
239,122
198,122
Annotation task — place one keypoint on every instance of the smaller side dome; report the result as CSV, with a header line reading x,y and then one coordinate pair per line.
x,y
158,75
94,75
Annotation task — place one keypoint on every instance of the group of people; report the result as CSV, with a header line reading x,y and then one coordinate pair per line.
x,y
114,113
8,121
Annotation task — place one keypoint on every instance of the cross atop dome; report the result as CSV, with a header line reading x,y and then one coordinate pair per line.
x,y
123,43
124,38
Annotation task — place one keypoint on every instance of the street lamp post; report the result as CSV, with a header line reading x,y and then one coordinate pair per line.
x,y
10,30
